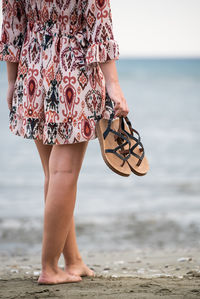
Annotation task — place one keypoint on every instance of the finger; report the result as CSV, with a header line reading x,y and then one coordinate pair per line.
x,y
123,110
117,105
118,112
126,109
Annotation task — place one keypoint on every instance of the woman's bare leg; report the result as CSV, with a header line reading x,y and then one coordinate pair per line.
x,y
74,263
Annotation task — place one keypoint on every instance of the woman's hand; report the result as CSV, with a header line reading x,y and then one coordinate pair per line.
x,y
115,93
113,88
10,91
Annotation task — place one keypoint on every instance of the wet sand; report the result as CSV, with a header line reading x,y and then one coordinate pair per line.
x,y
139,274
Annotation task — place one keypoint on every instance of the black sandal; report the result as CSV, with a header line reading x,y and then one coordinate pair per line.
x,y
118,144
138,161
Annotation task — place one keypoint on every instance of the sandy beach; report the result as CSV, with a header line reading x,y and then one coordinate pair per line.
x,y
147,273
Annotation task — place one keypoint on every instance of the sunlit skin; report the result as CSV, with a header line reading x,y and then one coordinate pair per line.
x,y
61,165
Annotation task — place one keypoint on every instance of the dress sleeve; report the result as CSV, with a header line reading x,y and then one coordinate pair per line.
x,y
12,30
99,32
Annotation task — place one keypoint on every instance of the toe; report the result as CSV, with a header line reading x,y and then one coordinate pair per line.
x,y
75,277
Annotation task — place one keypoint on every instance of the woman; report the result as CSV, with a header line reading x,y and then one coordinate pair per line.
x,y
60,59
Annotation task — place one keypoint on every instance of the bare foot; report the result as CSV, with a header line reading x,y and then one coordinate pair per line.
x,y
79,269
58,276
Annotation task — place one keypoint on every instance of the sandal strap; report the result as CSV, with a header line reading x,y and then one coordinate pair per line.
x,y
114,151
124,154
137,140
120,146
119,133
108,126
140,158
131,129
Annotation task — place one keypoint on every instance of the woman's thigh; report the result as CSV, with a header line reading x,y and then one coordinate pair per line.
x,y
67,157
44,152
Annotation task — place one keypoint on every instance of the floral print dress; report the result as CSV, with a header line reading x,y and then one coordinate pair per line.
x,y
59,92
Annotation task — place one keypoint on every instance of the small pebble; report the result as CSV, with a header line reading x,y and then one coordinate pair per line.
x,y
141,270
35,273
14,271
184,259
24,267
138,259
24,259
193,273
153,270
162,275
119,262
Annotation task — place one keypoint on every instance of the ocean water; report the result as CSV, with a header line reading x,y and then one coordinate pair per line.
x,y
161,209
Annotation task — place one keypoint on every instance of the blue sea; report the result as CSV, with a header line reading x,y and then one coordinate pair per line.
x,y
159,210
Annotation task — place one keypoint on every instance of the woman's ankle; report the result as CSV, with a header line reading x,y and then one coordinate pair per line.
x,y
50,268
73,260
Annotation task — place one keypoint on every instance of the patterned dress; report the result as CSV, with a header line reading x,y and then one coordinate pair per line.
x,y
59,93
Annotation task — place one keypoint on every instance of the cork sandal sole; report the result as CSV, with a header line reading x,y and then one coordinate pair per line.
x,y
108,143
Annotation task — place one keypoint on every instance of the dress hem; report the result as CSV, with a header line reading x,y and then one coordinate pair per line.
x,y
48,143
49,133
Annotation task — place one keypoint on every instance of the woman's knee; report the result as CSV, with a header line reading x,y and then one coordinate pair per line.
x,y
66,161
67,176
